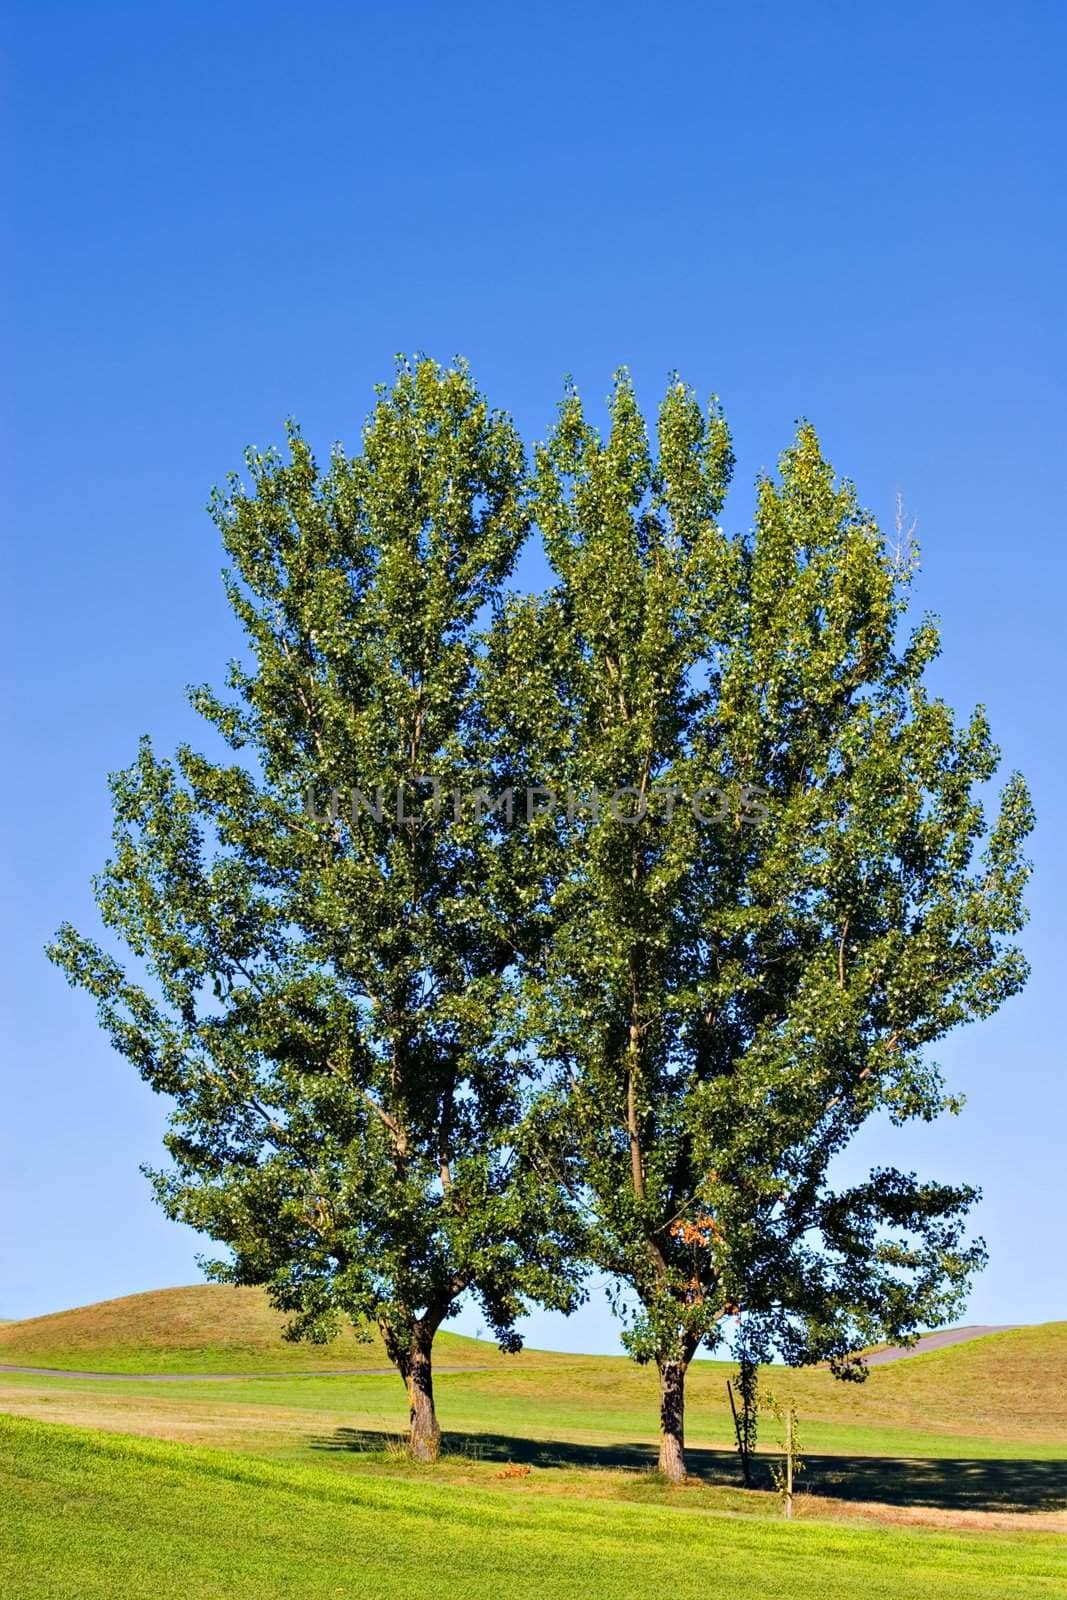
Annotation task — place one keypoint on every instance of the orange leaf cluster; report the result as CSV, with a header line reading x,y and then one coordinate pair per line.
x,y
704,1231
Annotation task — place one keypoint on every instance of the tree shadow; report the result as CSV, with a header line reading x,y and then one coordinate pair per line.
x,y
944,1483
948,1483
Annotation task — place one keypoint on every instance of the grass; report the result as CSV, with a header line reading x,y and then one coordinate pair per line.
x,y
202,1328
343,1423
101,1515
945,1474
906,1438
585,1407
1007,1389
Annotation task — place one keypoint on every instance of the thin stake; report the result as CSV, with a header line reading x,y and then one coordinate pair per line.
x,y
741,1447
789,1462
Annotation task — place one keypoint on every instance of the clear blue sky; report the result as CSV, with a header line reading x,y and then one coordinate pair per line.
x,y
228,214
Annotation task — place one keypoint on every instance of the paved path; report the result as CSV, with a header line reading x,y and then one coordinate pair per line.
x,y
878,1358
937,1341
216,1377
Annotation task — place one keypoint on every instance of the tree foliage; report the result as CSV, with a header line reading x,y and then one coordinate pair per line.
x,y
408,1047
794,896
328,987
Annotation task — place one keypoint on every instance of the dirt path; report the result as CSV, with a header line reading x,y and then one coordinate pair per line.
x,y
215,1377
937,1341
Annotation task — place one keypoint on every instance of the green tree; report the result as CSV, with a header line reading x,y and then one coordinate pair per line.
x,y
325,988
784,893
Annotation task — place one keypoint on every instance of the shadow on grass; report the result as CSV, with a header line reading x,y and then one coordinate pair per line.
x,y
947,1483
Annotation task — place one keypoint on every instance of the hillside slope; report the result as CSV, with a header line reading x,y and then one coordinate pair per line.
x,y
1003,1385
206,1327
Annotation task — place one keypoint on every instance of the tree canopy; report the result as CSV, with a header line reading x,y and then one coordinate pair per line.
x,y
785,892
328,964
423,1040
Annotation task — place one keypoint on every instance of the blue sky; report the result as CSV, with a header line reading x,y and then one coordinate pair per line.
x,y
227,215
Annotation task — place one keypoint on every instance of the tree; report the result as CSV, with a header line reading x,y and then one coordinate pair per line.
x,y
775,890
328,939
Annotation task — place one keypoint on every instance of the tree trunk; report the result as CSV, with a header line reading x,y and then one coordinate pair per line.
x,y
425,1432
411,1352
672,1420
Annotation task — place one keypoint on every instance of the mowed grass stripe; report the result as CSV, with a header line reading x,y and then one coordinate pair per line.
x,y
108,1516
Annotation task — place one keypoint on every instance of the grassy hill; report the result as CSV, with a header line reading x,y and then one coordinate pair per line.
x,y
1008,1386
203,1328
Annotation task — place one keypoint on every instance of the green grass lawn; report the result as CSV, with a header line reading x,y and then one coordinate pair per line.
x,y
944,1474
567,1422
99,1515
614,1420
